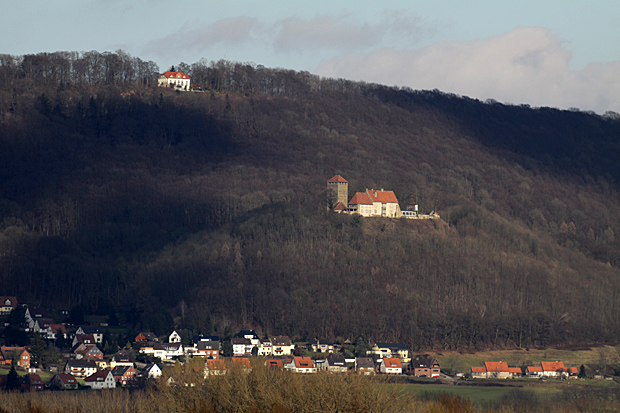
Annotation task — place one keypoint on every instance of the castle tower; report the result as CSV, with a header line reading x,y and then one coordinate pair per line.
x,y
338,190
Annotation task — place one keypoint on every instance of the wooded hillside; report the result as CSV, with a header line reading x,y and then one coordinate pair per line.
x,y
209,208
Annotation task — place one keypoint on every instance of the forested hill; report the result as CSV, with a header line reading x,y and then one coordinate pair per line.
x,y
208,209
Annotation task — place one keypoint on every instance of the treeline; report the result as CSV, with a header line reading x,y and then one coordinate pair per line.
x,y
207,210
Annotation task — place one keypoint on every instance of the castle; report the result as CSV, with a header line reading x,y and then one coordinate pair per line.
x,y
371,203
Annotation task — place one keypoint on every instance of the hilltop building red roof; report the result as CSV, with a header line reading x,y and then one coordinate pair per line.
x,y
338,178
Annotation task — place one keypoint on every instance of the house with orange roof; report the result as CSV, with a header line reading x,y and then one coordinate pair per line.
x,y
300,365
553,369
275,363
533,371
497,370
177,80
215,367
515,372
241,363
375,203
391,365
476,372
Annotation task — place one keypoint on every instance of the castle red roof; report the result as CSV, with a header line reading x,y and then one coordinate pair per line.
x,y
360,198
382,196
175,75
338,178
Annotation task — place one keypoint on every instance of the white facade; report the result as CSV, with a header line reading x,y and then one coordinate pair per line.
x,y
101,381
178,80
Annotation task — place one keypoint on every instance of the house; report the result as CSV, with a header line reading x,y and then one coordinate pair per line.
x,y
178,80
274,363
364,365
477,372
32,382
282,346
242,363
121,359
56,331
391,365
175,336
88,351
123,374
391,350
83,339
497,370
164,351
207,349
573,372
265,347
7,304
515,372
40,325
322,346
64,381
145,337
215,367
80,368
553,369
241,346
92,331
300,365
152,371
102,379
533,371
373,203
425,367
7,353
336,363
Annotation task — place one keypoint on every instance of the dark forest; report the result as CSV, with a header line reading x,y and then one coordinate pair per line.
x,y
208,209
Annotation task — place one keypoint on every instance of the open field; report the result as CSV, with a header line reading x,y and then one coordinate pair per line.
x,y
461,362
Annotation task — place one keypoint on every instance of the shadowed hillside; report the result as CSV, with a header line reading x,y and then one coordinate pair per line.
x,y
209,209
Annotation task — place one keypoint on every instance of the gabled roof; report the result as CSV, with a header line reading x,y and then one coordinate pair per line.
x,y
275,363
67,378
239,341
175,75
338,178
392,362
123,357
241,362
339,206
33,379
208,345
553,366
476,369
392,346
573,370
8,301
215,364
100,375
58,327
534,369
281,341
360,198
120,371
496,366
379,195
303,362
423,363
364,363
82,363
515,370
336,360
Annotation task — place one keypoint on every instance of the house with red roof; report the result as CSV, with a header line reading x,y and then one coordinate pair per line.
x,y
300,365
553,368
275,363
215,367
241,363
22,355
533,371
177,80
391,365
476,372
102,379
497,370
375,203
32,382
64,381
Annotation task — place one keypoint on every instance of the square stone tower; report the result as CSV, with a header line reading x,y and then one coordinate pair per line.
x,y
338,190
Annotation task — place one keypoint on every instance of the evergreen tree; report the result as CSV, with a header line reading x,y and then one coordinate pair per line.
x,y
12,380
582,372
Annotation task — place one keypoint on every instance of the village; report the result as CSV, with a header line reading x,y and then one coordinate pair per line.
x,y
147,357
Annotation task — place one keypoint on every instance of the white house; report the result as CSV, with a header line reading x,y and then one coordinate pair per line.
x,y
80,368
282,346
375,202
265,348
103,379
241,346
391,365
174,337
152,371
178,80
300,365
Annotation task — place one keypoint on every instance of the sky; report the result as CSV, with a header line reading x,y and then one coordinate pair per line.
x,y
553,53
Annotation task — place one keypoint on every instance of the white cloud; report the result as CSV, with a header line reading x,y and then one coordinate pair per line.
x,y
231,31
342,32
525,65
